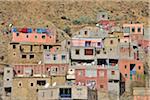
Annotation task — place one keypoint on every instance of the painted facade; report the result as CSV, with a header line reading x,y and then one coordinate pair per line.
x,y
34,35
132,70
94,77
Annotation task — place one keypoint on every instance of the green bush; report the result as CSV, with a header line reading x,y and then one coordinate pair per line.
x,y
67,29
83,20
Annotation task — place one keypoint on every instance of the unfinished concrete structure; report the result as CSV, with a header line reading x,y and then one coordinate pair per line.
x,y
7,83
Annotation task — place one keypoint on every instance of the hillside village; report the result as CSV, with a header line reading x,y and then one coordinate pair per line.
x,y
67,51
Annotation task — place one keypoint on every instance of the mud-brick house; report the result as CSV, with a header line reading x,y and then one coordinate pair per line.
x,y
135,31
29,78
90,31
67,92
22,52
39,35
95,77
56,55
26,88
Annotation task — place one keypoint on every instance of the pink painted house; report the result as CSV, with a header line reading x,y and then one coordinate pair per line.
x,y
95,77
87,42
34,35
131,69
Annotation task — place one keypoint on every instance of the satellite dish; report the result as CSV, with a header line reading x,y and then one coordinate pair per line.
x,y
49,70
46,85
39,62
10,25
97,25
44,76
93,63
54,84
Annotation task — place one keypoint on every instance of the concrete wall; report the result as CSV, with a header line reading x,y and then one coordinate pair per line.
x,y
77,92
81,54
8,76
15,54
49,57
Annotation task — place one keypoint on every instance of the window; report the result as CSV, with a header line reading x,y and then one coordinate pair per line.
x,y
101,86
41,82
112,72
104,52
77,51
139,29
8,71
14,46
36,37
43,36
31,48
125,66
98,43
17,34
126,75
118,40
110,49
111,41
18,71
7,79
27,36
65,92
68,42
63,57
87,43
85,33
19,84
88,52
103,16
139,67
31,84
133,29
98,52
24,56
31,56
54,57
45,46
